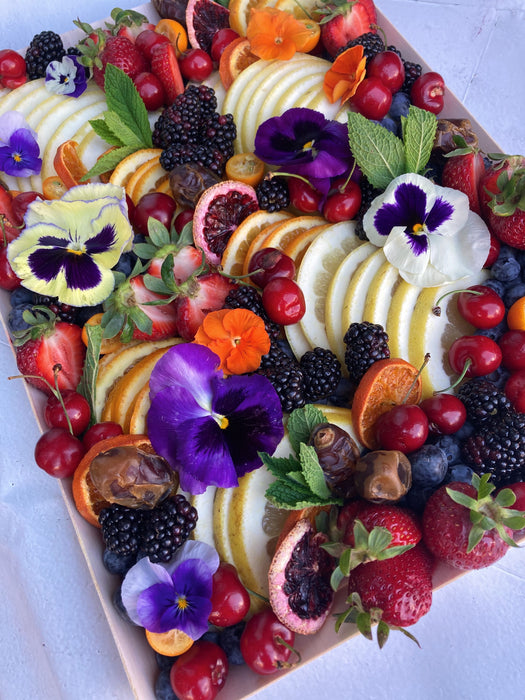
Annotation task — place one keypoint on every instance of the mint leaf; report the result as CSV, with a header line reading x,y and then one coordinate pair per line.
x,y
109,161
88,382
279,466
419,131
301,423
312,471
123,98
101,128
379,153
117,126
291,496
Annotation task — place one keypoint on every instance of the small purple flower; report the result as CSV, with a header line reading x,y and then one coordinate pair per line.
x,y
426,231
19,149
210,428
177,595
303,142
66,77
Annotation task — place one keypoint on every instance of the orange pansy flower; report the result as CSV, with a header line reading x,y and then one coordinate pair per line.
x,y
274,33
344,77
237,336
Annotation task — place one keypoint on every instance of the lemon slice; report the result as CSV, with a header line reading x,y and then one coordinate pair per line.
x,y
204,503
221,509
380,293
354,303
398,319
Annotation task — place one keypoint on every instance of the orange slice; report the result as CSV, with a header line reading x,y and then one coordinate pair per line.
x,y
240,14
175,32
170,643
385,384
298,246
137,416
234,59
88,500
68,166
127,166
245,167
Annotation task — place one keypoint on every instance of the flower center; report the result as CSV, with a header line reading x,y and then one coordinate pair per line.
x,y
221,420
418,229
17,157
182,603
308,145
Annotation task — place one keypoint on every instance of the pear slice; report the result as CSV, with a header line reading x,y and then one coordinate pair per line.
x,y
297,340
380,293
204,503
33,91
354,303
221,509
398,319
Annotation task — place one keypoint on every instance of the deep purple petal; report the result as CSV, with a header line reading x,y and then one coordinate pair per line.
x,y
189,365
441,211
103,241
418,244
20,158
407,211
280,140
79,270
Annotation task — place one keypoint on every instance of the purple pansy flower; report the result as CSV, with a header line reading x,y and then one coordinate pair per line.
x,y
177,595
66,77
303,142
70,245
426,231
210,428
19,149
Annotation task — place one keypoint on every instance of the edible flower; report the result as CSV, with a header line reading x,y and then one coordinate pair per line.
x,y
237,336
176,595
66,77
345,75
426,231
19,149
69,245
274,33
303,142
208,427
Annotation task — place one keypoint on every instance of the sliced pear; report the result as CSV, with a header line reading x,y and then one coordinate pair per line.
x,y
318,266
221,509
204,503
398,319
335,297
380,293
297,340
34,90
354,303
90,147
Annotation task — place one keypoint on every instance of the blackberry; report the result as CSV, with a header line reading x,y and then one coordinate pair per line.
x,y
273,194
483,401
365,344
368,193
121,527
64,312
286,376
182,118
321,374
247,297
166,527
371,42
203,155
498,448
412,73
44,48
220,129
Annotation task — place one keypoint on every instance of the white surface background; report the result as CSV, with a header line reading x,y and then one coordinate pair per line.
x,y
54,641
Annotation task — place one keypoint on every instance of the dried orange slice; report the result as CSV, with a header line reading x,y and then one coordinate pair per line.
x,y
68,166
88,500
171,643
385,384
234,59
516,315
245,167
175,32
53,187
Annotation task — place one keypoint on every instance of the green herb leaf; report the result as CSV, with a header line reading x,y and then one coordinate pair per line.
x,y
102,129
117,126
312,470
279,466
123,98
301,423
379,153
88,382
109,161
419,131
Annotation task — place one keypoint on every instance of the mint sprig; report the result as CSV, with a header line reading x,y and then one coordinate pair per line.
x,y
383,156
125,124
88,382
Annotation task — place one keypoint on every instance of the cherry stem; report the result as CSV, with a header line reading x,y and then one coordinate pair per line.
x,y
56,370
458,380
426,360
436,309
278,173
287,664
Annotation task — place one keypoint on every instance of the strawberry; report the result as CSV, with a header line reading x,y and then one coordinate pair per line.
x,y
502,200
465,526
165,66
138,313
46,343
122,53
131,32
186,261
396,591
463,171
344,20
204,294
400,523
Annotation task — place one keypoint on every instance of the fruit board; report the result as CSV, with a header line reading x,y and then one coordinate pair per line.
x,y
137,658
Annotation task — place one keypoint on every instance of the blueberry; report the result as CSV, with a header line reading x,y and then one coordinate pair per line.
x,y
212,635
15,319
21,296
416,499
450,446
117,563
119,607
506,269
429,465
460,472
164,662
389,123
499,377
513,293
495,332
229,641
496,285
163,689
126,263
465,431
399,106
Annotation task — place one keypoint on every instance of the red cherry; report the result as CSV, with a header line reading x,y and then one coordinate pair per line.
x,y
270,263
261,643
482,354
283,301
77,409
8,279
20,203
481,306
150,90
512,345
200,673
372,99
58,452
403,428
220,41
428,92
158,205
148,40
303,196
343,206
515,390
100,431
195,64
229,599
494,249
182,218
12,67
445,412
389,68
